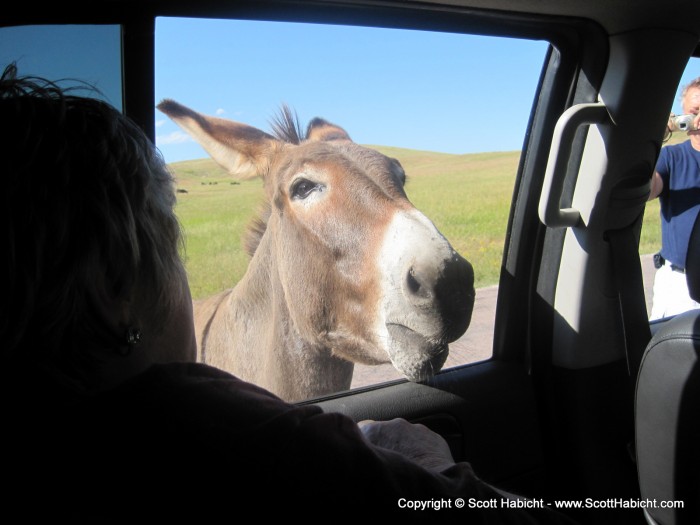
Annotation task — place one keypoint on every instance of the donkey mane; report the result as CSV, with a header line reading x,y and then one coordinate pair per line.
x,y
286,127
256,229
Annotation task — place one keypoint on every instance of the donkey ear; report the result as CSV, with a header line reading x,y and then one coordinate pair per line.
x,y
239,148
321,130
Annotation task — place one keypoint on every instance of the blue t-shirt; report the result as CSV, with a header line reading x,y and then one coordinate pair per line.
x,y
679,167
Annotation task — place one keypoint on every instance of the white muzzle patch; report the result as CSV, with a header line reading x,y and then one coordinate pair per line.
x,y
411,259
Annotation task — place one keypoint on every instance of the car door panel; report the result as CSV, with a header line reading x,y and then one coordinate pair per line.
x,y
486,411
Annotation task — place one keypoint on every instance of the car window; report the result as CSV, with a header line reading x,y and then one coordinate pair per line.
x,y
451,108
68,54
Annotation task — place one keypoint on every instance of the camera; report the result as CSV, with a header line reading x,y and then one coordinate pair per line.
x,y
681,122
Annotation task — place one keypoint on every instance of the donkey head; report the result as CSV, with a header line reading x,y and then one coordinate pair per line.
x,y
362,271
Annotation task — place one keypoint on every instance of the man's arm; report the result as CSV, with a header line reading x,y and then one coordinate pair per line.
x,y
657,185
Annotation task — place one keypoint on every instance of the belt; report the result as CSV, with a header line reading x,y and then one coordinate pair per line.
x,y
659,261
676,268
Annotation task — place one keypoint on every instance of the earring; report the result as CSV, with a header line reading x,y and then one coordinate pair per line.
x,y
132,337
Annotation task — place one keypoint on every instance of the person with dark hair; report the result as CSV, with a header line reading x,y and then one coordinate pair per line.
x,y
106,417
676,182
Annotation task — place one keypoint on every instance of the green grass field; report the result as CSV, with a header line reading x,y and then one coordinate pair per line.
x,y
466,196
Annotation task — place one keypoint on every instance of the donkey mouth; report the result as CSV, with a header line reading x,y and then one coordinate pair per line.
x,y
413,354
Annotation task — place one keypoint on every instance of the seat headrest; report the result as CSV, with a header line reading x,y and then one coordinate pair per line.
x,y
692,263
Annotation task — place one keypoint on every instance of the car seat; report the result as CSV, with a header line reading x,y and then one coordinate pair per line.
x,y
667,412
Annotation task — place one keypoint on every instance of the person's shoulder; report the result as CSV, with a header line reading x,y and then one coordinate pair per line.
x,y
676,152
683,149
686,146
675,148
204,391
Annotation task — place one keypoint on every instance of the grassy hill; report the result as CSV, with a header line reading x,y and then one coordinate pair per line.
x,y
466,196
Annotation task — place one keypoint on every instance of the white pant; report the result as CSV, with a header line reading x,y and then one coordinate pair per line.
x,y
670,294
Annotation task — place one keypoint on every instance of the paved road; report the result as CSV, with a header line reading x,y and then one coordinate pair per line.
x,y
476,344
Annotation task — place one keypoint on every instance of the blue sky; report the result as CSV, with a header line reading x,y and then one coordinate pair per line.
x,y
439,92
413,89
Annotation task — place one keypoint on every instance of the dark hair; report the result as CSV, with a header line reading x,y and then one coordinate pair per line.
x,y
87,210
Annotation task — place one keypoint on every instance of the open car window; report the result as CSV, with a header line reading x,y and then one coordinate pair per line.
x,y
451,108
72,55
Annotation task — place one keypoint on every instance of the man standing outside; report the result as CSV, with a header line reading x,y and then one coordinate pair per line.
x,y
676,182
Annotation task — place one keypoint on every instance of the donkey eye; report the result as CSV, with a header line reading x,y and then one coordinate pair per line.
x,y
302,188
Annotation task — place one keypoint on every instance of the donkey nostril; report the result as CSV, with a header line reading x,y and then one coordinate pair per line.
x,y
418,285
412,282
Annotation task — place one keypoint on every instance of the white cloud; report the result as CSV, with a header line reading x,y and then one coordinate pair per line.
x,y
159,123
220,111
176,137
